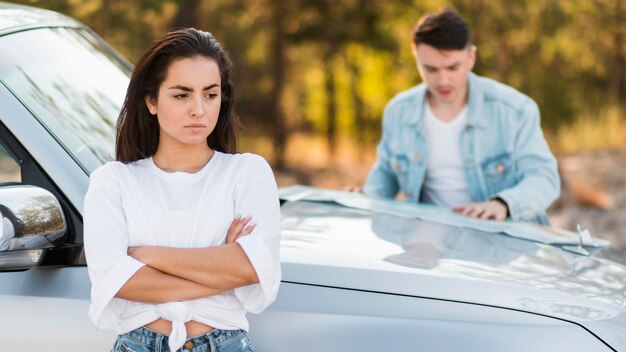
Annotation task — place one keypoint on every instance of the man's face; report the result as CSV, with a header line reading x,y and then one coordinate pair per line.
x,y
445,72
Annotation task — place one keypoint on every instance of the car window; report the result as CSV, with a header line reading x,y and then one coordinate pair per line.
x,y
74,85
9,167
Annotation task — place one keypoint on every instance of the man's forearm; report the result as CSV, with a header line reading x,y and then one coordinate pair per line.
x,y
530,197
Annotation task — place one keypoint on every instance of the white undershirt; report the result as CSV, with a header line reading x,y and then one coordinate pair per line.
x,y
445,183
138,204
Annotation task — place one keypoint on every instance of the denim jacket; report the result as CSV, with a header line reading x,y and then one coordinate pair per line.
x,y
503,150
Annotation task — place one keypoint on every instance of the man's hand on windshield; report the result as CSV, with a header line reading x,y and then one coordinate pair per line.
x,y
493,209
352,188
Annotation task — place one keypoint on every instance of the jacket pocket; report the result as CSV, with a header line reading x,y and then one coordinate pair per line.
x,y
498,173
400,166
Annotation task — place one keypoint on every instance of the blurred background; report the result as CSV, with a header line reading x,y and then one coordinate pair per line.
x,y
313,76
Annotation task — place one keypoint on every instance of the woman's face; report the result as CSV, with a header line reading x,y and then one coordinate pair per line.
x,y
188,102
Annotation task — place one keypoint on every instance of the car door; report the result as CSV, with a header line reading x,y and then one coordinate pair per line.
x,y
45,308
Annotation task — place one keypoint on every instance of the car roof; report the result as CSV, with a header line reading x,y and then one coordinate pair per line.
x,y
15,18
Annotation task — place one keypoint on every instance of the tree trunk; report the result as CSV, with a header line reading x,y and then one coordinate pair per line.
x,y
331,103
279,63
357,105
187,16
616,77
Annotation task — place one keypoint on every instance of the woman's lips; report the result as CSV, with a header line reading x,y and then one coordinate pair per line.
x,y
195,127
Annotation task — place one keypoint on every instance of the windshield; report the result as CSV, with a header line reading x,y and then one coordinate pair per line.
x,y
74,85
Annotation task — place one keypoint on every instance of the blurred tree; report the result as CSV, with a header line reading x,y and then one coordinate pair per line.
x,y
617,84
187,15
329,67
278,69
253,32
331,26
594,40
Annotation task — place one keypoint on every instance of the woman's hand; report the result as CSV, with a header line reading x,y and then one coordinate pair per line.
x,y
239,228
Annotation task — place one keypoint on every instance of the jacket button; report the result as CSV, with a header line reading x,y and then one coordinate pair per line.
x,y
397,166
417,157
500,168
189,345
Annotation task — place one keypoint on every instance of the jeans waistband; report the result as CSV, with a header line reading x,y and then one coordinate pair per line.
x,y
154,339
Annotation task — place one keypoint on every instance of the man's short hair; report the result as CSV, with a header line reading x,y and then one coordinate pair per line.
x,y
444,30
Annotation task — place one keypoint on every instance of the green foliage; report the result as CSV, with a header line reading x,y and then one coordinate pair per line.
x,y
342,60
593,129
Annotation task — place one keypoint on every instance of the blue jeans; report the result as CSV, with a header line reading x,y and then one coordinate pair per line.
x,y
216,340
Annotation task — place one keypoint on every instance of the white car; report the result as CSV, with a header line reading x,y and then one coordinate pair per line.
x,y
359,274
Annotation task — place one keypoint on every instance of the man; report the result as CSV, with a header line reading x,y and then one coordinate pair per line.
x,y
463,141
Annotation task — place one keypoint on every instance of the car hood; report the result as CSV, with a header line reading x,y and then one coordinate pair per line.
x,y
327,244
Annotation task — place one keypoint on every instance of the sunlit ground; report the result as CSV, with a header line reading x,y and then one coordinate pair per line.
x,y
309,162
594,130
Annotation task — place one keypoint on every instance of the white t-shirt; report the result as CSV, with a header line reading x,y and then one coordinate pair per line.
x,y
445,183
138,204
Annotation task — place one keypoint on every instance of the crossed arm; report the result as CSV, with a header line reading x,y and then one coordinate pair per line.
x,y
177,274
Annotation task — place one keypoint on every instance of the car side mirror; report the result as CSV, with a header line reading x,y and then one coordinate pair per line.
x,y
31,220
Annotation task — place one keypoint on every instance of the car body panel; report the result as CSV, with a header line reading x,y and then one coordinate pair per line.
x,y
331,245
46,309
329,319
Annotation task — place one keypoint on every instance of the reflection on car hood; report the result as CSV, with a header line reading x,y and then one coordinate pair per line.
x,y
580,242
333,245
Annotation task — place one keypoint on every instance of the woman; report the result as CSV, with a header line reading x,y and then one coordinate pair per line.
x,y
172,261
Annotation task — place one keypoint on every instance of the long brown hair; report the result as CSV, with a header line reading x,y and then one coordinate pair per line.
x,y
137,131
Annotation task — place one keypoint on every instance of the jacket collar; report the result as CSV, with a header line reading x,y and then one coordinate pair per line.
x,y
475,101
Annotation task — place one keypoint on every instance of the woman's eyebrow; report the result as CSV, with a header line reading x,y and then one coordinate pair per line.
x,y
211,86
187,89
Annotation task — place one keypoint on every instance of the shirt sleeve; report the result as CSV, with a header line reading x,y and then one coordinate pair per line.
x,y
258,196
536,170
106,246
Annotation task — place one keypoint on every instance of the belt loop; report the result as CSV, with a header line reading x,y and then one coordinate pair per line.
x,y
158,342
212,343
